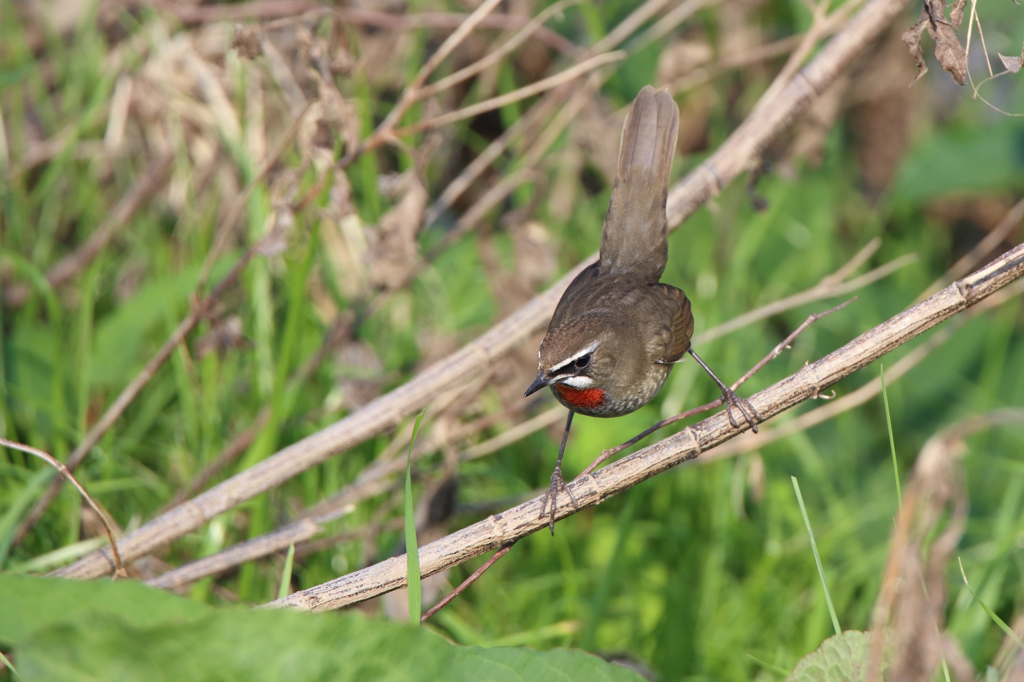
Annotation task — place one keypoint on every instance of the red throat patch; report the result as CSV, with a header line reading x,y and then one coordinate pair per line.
x,y
587,398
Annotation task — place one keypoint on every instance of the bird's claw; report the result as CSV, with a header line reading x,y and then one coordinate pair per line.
x,y
749,412
552,495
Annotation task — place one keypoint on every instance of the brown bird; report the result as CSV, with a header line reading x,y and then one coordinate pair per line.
x,y
617,331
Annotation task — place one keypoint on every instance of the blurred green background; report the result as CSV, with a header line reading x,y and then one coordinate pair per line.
x,y
704,572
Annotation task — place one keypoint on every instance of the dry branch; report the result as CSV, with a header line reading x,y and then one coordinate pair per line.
x,y
688,444
372,480
740,152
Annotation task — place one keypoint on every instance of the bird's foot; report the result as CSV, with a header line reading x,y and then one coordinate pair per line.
x,y
750,414
552,496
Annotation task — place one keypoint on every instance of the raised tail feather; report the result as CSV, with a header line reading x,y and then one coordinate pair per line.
x,y
633,239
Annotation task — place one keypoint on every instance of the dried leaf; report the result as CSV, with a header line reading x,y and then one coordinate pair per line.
x,y
950,52
1012,64
912,37
247,41
956,17
394,252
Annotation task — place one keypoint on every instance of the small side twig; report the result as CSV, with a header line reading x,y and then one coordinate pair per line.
x,y
467,582
119,570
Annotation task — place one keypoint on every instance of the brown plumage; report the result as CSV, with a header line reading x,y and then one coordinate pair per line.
x,y
617,330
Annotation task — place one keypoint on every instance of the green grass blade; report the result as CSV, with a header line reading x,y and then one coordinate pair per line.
x,y
286,574
892,442
991,614
412,555
817,558
3,659
781,672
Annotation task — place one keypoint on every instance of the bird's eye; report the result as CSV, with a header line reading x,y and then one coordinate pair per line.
x,y
583,361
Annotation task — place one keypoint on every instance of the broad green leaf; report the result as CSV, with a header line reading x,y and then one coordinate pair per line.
x,y
842,658
126,631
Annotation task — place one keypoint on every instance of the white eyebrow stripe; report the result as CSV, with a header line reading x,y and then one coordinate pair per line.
x,y
585,351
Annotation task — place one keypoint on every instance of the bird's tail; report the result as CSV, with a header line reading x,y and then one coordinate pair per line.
x,y
633,239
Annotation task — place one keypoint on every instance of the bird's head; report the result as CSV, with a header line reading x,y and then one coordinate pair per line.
x,y
577,360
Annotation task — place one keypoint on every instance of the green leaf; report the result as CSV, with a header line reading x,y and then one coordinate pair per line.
x,y
892,441
286,573
817,557
412,553
67,630
842,658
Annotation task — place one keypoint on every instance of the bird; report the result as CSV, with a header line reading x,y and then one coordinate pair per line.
x,y
618,330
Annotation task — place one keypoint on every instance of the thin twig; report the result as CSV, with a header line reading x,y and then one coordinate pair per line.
x,y
494,57
822,291
516,95
686,445
466,583
119,571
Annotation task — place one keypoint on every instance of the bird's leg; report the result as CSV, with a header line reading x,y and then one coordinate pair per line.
x,y
557,481
750,414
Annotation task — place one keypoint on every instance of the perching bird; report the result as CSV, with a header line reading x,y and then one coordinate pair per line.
x,y
617,330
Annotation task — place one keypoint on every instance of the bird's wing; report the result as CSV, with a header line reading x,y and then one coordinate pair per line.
x,y
676,329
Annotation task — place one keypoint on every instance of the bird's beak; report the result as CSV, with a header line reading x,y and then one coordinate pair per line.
x,y
540,382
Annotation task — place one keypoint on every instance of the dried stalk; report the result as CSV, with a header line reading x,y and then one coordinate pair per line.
x,y
740,152
688,444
